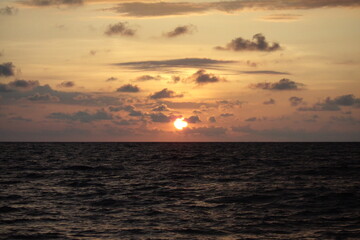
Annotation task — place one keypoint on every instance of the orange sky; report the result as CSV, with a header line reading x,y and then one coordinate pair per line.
x,y
116,70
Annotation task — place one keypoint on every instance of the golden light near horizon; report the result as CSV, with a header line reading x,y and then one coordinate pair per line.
x,y
179,123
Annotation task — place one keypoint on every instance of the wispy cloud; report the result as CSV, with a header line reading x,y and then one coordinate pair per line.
x,y
180,30
47,3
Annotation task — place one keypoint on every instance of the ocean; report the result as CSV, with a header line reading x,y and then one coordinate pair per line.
x,y
179,191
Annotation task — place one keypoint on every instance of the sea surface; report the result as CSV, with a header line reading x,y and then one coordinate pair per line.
x,y
179,191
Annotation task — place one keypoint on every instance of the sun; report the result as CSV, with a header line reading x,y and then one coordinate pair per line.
x,y
179,123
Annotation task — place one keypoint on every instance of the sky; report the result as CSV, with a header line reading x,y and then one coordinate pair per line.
x,y
118,70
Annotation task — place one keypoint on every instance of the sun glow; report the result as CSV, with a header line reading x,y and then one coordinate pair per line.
x,y
180,123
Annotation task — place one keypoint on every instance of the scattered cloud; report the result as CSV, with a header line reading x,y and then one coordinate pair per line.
x,y
334,104
81,116
144,78
165,93
175,63
201,77
7,69
47,3
283,84
43,98
180,30
252,119
269,102
159,117
160,108
120,28
193,119
18,85
212,119
128,108
258,43
67,84
295,101
8,11
155,9
128,88
111,79
225,115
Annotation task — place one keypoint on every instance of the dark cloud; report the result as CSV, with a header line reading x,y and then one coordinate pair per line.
x,y
165,93
270,101
266,72
128,88
120,28
206,131
258,43
187,105
193,119
295,101
7,69
46,3
175,63
144,78
8,11
212,119
18,85
201,77
226,115
67,84
252,119
346,120
81,116
160,108
181,30
283,84
334,104
128,108
43,98
159,117
153,9
111,79
22,119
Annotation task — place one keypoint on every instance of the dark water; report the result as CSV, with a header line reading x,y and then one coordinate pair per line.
x,y
180,191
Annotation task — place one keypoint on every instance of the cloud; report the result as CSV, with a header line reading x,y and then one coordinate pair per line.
x,y
154,9
252,119
226,115
201,77
283,84
270,101
181,30
111,79
43,98
193,119
258,43
81,116
160,108
295,101
7,69
8,11
281,17
159,117
128,88
129,108
67,84
266,72
18,85
206,131
47,3
120,28
144,78
334,104
175,63
212,119
22,119
165,93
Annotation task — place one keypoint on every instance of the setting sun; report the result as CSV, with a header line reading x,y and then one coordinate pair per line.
x,y
180,123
